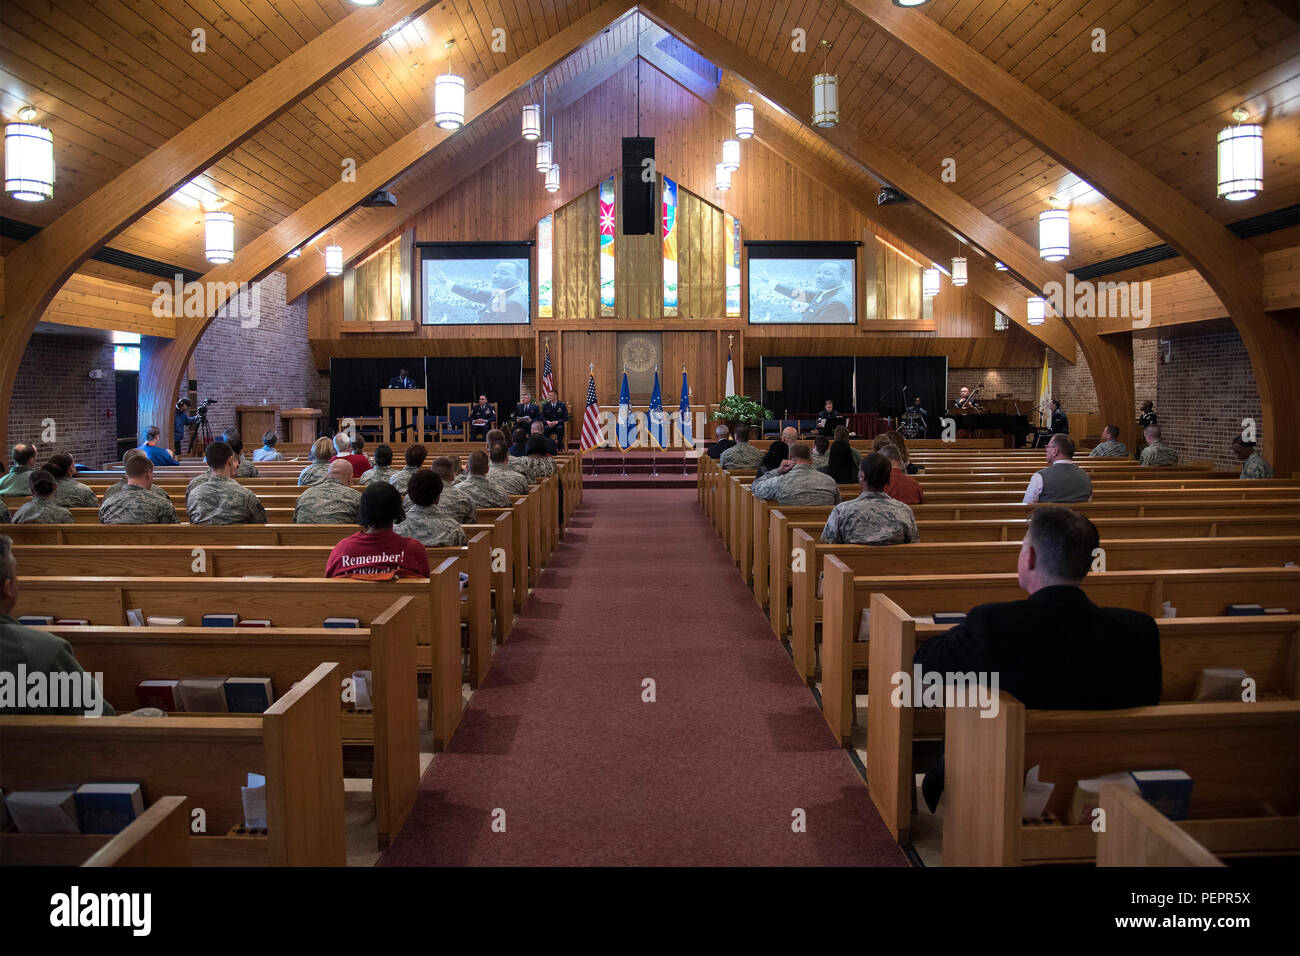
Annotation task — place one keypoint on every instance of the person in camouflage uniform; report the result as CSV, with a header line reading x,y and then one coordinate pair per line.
x,y
478,488
236,443
424,522
742,454
872,517
321,453
538,464
504,475
415,455
821,456
1253,464
1157,453
383,470
332,501
796,482
1110,446
137,502
42,509
117,486
220,499
453,501
69,492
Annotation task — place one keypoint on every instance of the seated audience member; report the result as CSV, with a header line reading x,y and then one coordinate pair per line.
x,y
415,455
481,417
872,517
842,434
15,482
821,455
776,453
1157,454
493,436
332,501
235,440
457,469
221,499
899,441
39,652
902,486
724,441
268,450
796,482
519,444
839,463
453,501
424,521
1110,446
741,455
789,435
503,474
321,452
377,551
538,464
1253,464
359,462
118,485
68,491
1056,650
479,489
157,454
137,501
383,470
539,428
1062,480
43,509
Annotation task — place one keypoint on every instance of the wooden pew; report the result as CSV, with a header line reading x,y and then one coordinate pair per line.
x,y
1242,758
295,743
1267,648
158,837
1137,834
127,655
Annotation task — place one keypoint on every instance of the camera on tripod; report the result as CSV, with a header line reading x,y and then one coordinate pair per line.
x,y
202,411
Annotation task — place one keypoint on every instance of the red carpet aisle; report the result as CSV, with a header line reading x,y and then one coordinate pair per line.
x,y
587,774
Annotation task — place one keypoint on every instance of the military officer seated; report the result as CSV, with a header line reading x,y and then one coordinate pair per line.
x,y
481,417
42,509
424,522
872,517
332,501
742,454
554,415
796,482
1157,454
527,412
220,499
137,501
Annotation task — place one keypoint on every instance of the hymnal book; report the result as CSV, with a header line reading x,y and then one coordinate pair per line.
x,y
1169,791
4,816
204,694
1087,795
108,807
1169,609
342,622
254,798
221,620
248,695
163,694
160,621
1033,799
1219,683
254,622
43,811
135,617
1276,610
36,620
949,617
864,625
1244,610
361,688
71,622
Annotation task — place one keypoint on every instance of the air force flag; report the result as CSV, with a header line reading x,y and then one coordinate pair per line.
x,y
626,422
658,425
684,414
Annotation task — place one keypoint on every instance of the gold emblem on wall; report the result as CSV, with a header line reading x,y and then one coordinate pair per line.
x,y
639,353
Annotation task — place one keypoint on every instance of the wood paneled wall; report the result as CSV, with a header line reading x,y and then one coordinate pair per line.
x,y
698,351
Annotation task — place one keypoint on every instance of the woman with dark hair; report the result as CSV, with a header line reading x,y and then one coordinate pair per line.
x,y
69,492
777,452
841,466
383,466
377,552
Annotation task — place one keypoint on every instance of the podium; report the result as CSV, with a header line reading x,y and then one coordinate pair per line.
x,y
405,407
255,421
300,423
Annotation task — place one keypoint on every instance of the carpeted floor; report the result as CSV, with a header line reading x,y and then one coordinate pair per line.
x,y
586,773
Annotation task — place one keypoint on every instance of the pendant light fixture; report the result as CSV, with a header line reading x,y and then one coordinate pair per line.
x,y
552,182
1241,159
731,154
532,120
1036,310
930,282
721,177
1000,322
744,120
449,96
334,260
544,162
29,159
826,93
958,270
1054,233
219,235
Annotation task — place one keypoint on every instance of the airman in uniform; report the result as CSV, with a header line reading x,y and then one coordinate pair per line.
x,y
424,521
220,499
872,517
797,482
332,501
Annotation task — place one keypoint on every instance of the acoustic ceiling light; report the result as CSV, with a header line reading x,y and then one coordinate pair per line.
x,y
532,122
334,260
219,236
731,154
959,270
1036,310
1241,159
449,96
722,177
744,120
930,282
1054,234
553,178
29,159
826,94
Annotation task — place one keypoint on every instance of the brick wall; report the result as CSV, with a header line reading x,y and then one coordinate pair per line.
x,y
1144,372
54,382
1202,395
1072,384
1022,383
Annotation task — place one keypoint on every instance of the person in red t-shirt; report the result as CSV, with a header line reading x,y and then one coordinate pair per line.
x,y
360,463
902,486
376,550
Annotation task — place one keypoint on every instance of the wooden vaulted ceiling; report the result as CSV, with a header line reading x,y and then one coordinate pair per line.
x,y
114,80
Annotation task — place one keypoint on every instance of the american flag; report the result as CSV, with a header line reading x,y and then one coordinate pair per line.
x,y
548,384
591,418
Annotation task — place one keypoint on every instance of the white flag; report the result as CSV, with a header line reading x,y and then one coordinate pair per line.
x,y
731,377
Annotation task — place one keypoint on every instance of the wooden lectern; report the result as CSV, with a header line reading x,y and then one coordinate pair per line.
x,y
406,405
255,421
300,423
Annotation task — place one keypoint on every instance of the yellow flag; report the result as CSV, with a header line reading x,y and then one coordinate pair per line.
x,y
1044,391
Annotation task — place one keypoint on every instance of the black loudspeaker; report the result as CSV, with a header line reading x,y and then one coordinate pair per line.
x,y
638,194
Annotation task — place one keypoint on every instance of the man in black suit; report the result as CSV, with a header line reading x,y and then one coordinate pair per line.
x,y
829,419
1060,421
725,441
527,412
1056,650
403,380
554,415
481,417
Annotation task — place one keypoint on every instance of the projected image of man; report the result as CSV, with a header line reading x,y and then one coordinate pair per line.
x,y
831,299
505,301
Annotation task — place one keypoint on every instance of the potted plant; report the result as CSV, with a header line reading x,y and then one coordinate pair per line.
x,y
740,410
